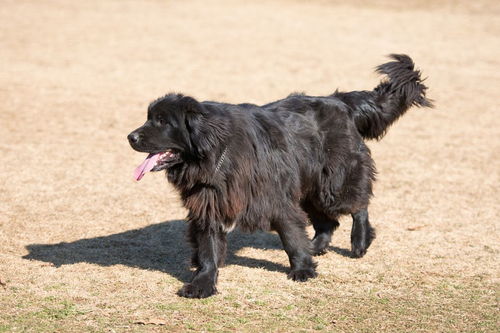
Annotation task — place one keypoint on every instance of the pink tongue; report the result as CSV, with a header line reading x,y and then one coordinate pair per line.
x,y
146,166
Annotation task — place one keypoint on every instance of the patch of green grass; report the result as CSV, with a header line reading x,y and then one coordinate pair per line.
x,y
50,299
319,322
48,315
382,300
242,320
57,286
446,305
208,300
166,307
63,310
5,328
489,322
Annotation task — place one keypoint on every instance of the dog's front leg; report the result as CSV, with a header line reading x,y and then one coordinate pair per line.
x,y
210,248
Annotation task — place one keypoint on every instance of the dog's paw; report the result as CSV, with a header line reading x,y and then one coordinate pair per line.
x,y
191,290
359,245
357,251
319,252
302,275
320,244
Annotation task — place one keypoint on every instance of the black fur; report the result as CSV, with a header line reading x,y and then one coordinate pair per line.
x,y
374,111
273,167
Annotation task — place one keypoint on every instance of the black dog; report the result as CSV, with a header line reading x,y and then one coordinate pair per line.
x,y
275,166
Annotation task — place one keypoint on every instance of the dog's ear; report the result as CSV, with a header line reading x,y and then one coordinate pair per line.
x,y
191,106
194,117
206,126
193,111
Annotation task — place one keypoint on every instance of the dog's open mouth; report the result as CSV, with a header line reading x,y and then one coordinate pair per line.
x,y
155,162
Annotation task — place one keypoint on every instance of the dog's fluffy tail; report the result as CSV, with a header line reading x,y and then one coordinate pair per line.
x,y
374,111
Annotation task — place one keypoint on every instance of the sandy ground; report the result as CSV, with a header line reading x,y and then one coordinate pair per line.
x,y
84,247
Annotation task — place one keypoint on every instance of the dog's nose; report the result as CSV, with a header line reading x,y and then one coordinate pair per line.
x,y
134,137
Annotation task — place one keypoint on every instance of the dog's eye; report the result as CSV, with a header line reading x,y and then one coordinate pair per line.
x,y
161,121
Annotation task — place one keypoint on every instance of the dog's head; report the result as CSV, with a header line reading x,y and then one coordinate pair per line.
x,y
170,134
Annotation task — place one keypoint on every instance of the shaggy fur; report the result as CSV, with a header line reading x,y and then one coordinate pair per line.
x,y
276,166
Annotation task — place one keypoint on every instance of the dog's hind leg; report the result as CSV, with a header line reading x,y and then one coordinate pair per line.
x,y
324,227
362,233
291,229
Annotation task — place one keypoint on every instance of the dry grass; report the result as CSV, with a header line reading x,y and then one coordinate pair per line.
x,y
84,248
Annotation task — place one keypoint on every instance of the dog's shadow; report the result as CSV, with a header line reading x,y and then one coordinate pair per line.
x,y
160,246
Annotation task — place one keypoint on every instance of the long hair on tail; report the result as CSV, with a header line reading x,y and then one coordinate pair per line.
x,y
375,111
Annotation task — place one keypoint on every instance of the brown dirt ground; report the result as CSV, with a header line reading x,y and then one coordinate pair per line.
x,y
85,248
